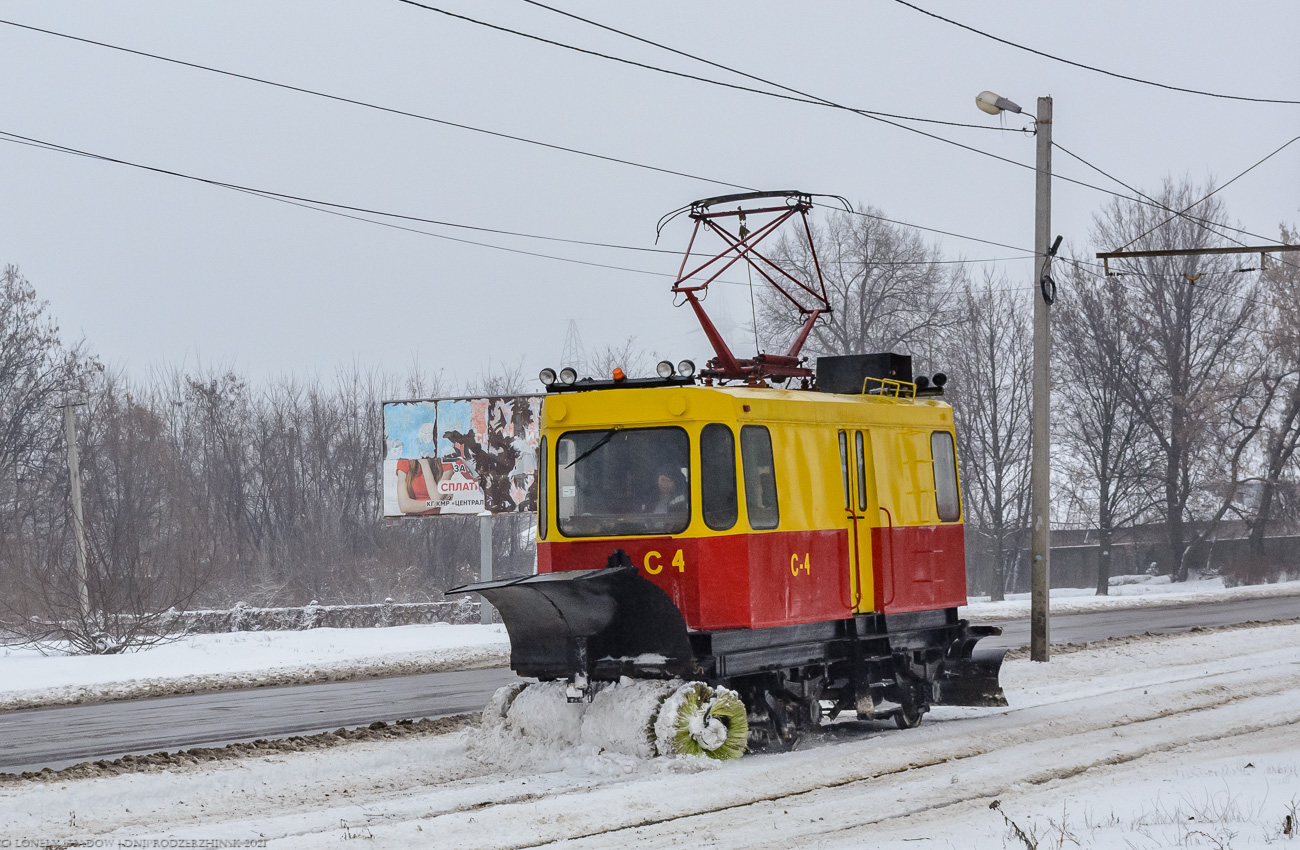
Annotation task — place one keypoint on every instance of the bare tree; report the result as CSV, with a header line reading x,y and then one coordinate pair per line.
x,y
990,396
634,360
1107,456
1189,319
1281,380
37,372
888,288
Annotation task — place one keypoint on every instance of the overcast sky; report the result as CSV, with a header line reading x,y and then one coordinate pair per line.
x,y
155,270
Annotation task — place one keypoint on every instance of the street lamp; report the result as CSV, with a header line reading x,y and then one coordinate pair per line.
x,y
1044,294
994,104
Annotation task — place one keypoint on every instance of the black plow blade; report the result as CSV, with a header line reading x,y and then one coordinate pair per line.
x,y
609,622
970,675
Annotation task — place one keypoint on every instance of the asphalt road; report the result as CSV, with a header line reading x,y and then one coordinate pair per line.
x,y
59,737
1077,628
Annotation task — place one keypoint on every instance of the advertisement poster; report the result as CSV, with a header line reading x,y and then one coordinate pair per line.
x,y
461,456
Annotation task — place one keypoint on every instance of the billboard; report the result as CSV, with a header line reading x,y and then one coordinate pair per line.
x,y
461,456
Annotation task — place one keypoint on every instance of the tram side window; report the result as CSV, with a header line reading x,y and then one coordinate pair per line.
x,y
760,477
862,472
947,499
718,476
844,468
541,490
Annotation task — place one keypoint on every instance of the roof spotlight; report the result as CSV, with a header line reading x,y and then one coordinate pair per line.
x,y
686,369
546,376
922,382
568,376
664,369
939,379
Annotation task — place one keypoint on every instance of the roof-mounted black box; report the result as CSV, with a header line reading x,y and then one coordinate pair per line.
x,y
845,373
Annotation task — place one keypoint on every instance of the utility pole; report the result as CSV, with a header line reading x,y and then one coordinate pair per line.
x,y
1040,466
78,523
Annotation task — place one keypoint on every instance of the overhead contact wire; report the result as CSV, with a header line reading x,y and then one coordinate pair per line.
x,y
807,98
497,134
789,97
350,213
1093,68
391,110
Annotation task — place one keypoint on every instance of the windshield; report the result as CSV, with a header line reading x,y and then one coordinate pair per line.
x,y
623,482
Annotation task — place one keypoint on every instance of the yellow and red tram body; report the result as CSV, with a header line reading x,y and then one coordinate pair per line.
x,y
802,507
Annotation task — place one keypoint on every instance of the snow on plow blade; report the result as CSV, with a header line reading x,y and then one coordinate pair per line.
x,y
608,621
970,675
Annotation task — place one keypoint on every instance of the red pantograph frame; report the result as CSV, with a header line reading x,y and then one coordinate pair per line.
x,y
725,365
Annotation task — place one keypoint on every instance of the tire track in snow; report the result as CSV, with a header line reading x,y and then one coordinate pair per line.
x,y
948,743
994,784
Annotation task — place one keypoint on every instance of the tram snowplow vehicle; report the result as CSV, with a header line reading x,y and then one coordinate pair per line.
x,y
723,561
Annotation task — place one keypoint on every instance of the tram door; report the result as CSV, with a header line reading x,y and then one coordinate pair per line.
x,y
855,455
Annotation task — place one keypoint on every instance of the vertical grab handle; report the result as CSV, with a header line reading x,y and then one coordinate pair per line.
x,y
889,582
856,578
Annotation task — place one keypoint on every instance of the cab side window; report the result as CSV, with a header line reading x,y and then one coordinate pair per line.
x,y
947,498
760,477
718,476
862,471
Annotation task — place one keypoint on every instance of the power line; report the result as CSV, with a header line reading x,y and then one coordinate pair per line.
x,y
852,211
548,145
360,214
1203,223
391,110
805,96
270,196
1218,189
617,160
456,125
875,116
797,98
924,262
1091,67
331,204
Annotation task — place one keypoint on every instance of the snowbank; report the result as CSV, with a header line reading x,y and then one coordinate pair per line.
x,y
246,659
1129,592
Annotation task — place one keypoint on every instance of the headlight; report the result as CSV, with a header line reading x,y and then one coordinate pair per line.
x,y
664,369
546,376
568,377
686,369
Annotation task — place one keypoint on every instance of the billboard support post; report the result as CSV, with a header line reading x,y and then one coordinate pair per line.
x,y
485,563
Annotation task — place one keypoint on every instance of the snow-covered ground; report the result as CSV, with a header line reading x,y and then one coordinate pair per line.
x,y
1170,741
245,659
1127,592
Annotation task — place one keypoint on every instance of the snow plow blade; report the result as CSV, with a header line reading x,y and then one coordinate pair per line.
x,y
970,675
603,623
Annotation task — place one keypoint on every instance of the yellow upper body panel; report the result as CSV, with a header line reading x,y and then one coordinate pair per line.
x,y
804,427
740,405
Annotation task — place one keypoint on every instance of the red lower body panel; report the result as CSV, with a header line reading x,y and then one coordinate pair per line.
x,y
919,568
751,581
